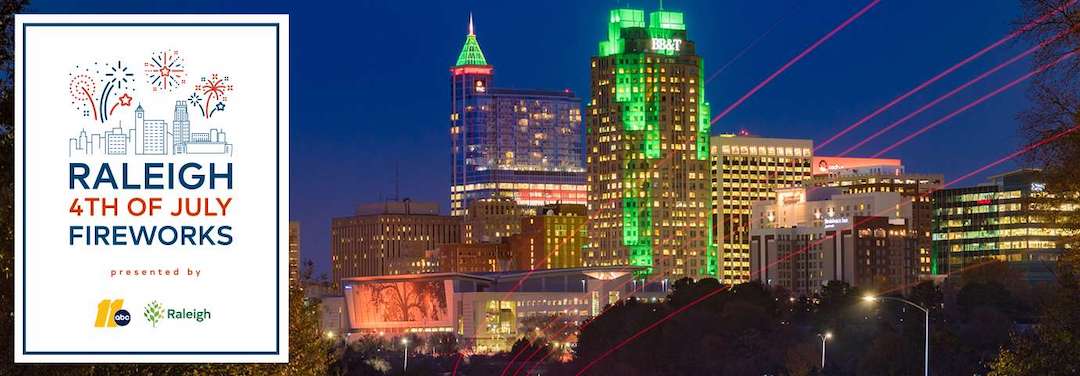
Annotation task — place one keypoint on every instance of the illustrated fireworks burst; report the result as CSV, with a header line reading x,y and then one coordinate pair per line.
x,y
82,88
211,94
98,89
196,100
165,71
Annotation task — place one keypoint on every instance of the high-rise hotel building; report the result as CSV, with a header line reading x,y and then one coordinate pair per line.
x,y
746,169
648,149
865,175
524,145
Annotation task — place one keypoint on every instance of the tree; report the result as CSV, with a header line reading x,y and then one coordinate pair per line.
x,y
803,359
1053,347
8,8
1056,105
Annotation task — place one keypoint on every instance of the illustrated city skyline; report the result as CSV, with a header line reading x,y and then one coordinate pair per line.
x,y
151,137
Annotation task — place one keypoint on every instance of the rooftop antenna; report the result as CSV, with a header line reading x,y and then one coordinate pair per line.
x,y
471,25
661,4
397,181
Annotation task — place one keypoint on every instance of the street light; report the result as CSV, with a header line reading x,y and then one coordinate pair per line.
x,y
405,351
926,327
825,336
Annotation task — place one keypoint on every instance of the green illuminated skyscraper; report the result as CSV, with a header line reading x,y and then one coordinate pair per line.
x,y
648,149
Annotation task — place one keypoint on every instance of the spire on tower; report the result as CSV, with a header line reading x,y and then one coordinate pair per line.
x,y
470,52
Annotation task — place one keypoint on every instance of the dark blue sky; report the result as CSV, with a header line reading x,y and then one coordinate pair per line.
x,y
370,89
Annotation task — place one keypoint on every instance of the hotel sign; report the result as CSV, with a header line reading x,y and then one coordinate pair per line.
x,y
833,222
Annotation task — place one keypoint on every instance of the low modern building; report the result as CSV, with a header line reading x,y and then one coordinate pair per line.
x,y
552,239
485,310
387,236
863,239
1005,219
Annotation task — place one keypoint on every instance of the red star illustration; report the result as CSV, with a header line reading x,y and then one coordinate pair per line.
x,y
164,71
125,100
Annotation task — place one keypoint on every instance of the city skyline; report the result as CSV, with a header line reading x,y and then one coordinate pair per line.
x,y
854,73
795,187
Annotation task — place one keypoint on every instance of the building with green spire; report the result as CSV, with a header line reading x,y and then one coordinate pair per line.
x,y
523,145
648,150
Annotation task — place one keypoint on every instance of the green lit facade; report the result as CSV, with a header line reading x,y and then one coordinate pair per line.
x,y
648,149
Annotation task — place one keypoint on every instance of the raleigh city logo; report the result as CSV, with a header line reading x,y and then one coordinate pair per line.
x,y
155,312
110,314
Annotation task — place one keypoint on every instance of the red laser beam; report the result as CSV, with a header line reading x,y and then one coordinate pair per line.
x,y
666,159
674,313
1015,154
944,73
539,362
522,351
639,333
748,47
795,59
526,361
961,270
974,103
606,308
804,249
951,93
457,362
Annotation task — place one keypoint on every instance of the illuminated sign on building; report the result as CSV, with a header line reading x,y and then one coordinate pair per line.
x,y
1038,187
832,222
401,304
667,45
828,165
790,196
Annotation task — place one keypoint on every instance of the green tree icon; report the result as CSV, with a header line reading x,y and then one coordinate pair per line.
x,y
153,312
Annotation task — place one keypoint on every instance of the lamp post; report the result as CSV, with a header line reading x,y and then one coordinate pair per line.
x,y
405,352
824,336
926,327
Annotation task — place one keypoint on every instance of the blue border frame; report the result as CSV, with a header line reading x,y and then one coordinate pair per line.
x,y
277,188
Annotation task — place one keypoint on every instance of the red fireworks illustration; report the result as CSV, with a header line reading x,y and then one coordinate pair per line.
x,y
81,88
213,89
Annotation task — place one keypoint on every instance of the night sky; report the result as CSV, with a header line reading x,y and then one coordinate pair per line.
x,y
369,80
